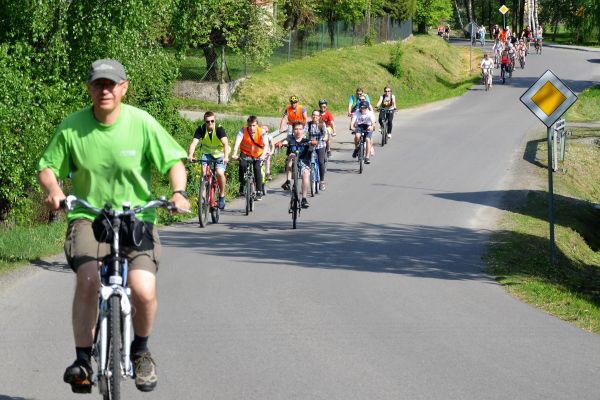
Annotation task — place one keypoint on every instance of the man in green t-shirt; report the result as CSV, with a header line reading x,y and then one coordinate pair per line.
x,y
108,150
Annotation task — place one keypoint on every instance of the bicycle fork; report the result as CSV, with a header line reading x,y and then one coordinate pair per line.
x,y
125,365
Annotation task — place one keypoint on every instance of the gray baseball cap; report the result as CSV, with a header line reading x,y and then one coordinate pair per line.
x,y
107,69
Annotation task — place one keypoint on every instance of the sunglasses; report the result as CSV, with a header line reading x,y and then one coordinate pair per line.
x,y
387,91
210,121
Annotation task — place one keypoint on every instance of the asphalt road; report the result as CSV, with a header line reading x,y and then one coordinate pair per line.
x,y
379,294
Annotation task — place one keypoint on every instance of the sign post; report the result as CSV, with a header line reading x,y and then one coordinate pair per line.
x,y
504,10
549,98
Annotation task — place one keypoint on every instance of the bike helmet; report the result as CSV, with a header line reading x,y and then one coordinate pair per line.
x,y
293,99
322,101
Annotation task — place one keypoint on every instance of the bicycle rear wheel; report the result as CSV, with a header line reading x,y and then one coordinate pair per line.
x,y
115,348
313,179
296,190
203,202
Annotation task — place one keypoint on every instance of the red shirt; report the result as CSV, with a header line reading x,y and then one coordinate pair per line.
x,y
327,117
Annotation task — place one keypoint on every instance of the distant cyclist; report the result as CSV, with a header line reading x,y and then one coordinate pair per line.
x,y
527,36
293,113
297,142
214,148
363,122
317,131
539,37
355,99
327,117
498,47
386,104
487,66
251,141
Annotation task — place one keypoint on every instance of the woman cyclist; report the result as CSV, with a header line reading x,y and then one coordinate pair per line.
x,y
387,104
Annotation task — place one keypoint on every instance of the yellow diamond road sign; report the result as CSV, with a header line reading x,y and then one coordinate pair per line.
x,y
548,98
503,9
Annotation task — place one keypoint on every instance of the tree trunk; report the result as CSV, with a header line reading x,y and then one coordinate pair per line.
x,y
421,27
331,30
211,63
462,26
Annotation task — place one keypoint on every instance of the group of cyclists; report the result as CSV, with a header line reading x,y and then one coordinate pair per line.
x,y
508,50
309,139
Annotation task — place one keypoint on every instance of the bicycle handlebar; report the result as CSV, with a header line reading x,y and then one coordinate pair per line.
x,y
71,202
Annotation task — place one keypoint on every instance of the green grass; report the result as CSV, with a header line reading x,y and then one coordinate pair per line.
x,y
570,289
587,107
427,70
19,245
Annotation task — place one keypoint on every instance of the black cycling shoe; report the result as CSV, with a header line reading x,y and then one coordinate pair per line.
x,y
286,185
304,203
79,376
355,153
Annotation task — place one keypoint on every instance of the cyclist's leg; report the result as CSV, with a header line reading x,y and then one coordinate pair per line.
x,y
390,117
243,165
305,178
368,145
321,160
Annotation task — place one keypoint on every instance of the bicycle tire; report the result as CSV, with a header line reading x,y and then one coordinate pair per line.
x,y
361,156
313,179
115,347
384,132
203,202
295,192
247,193
215,211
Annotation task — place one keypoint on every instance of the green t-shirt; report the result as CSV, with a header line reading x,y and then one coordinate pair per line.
x,y
111,163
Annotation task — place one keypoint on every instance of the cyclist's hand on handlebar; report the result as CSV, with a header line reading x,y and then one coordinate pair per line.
x,y
191,159
55,200
180,203
278,145
235,157
313,142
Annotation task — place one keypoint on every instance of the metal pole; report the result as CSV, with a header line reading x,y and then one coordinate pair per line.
x,y
551,197
471,49
555,148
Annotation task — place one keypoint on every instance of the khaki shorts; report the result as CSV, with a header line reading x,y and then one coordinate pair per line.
x,y
81,246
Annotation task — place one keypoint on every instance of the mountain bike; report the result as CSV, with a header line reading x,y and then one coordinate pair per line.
x,y
522,60
315,177
208,194
538,46
114,329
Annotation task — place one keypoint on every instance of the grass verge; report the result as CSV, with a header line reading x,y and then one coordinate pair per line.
x,y
570,289
420,70
587,107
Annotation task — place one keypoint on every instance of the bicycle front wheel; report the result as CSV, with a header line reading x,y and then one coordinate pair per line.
x,y
361,157
384,133
203,202
214,211
115,348
313,179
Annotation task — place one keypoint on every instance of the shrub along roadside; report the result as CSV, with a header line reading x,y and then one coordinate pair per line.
x,y
569,289
587,107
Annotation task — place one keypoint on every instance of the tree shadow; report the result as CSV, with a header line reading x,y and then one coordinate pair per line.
x,y
594,60
569,212
526,81
6,397
421,251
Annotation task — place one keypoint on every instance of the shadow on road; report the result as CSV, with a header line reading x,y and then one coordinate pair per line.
x,y
420,251
5,397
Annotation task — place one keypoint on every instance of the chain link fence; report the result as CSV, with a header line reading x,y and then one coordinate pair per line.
x,y
298,44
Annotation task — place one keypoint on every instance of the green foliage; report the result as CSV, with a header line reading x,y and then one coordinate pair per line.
x,y
430,12
587,107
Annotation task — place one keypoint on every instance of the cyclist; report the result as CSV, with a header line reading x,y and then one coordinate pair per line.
x,y
109,149
539,36
293,113
298,142
512,55
327,117
522,51
504,64
355,100
527,36
487,66
446,34
251,140
498,47
482,32
495,32
364,117
386,104
214,147
503,35
270,149
317,131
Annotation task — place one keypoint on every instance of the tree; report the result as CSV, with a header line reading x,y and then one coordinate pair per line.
x,y
431,12
332,11
240,25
